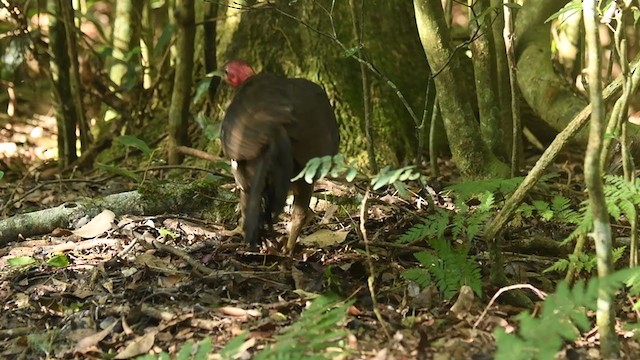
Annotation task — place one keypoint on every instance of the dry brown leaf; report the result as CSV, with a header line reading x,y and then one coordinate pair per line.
x,y
324,238
87,342
156,263
97,226
140,345
232,311
464,302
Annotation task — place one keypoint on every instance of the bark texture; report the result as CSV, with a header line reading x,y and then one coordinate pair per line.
x,y
470,153
181,95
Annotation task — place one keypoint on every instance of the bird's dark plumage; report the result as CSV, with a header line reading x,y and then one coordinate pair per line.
x,y
272,127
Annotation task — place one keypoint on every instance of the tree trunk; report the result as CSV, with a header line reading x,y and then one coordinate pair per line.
x,y
68,17
470,153
484,67
210,48
181,96
601,234
66,111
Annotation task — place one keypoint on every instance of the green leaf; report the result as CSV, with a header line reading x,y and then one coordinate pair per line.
x,y
185,351
338,165
119,171
134,142
209,130
575,5
395,175
58,260
326,163
163,41
421,276
202,88
312,167
204,348
21,261
234,347
351,51
1,174
165,232
514,6
402,190
131,53
351,174
381,179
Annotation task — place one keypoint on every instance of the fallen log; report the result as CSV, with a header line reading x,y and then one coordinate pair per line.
x,y
148,200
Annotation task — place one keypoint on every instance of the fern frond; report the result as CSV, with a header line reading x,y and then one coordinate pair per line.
x,y
312,334
562,318
433,226
448,269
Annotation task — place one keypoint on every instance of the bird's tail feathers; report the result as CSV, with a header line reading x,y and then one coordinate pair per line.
x,y
269,185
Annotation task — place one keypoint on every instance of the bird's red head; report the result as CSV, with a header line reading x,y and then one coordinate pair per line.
x,y
237,72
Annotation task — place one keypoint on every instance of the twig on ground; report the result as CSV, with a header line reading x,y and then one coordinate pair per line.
x,y
541,294
370,280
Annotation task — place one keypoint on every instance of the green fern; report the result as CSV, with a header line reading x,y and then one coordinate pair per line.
x,y
203,349
563,212
386,176
433,226
308,338
448,269
559,210
465,222
321,167
621,198
470,189
313,333
583,262
563,317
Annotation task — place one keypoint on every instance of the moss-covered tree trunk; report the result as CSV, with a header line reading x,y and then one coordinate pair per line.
x,y
471,155
125,66
66,111
71,33
484,66
181,95
299,41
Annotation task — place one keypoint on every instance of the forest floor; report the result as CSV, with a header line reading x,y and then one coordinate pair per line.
x,y
147,285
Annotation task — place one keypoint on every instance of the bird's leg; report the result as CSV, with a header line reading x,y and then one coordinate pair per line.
x,y
301,197
239,230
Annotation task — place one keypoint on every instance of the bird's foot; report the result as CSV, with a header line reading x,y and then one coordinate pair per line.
x,y
234,232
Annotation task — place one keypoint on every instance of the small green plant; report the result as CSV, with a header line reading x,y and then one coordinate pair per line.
x,y
316,335
466,221
465,191
621,198
583,262
186,352
559,210
563,316
134,142
320,167
27,262
311,337
448,269
396,177
433,226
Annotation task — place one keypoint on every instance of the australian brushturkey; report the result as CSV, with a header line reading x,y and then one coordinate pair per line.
x,y
272,127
